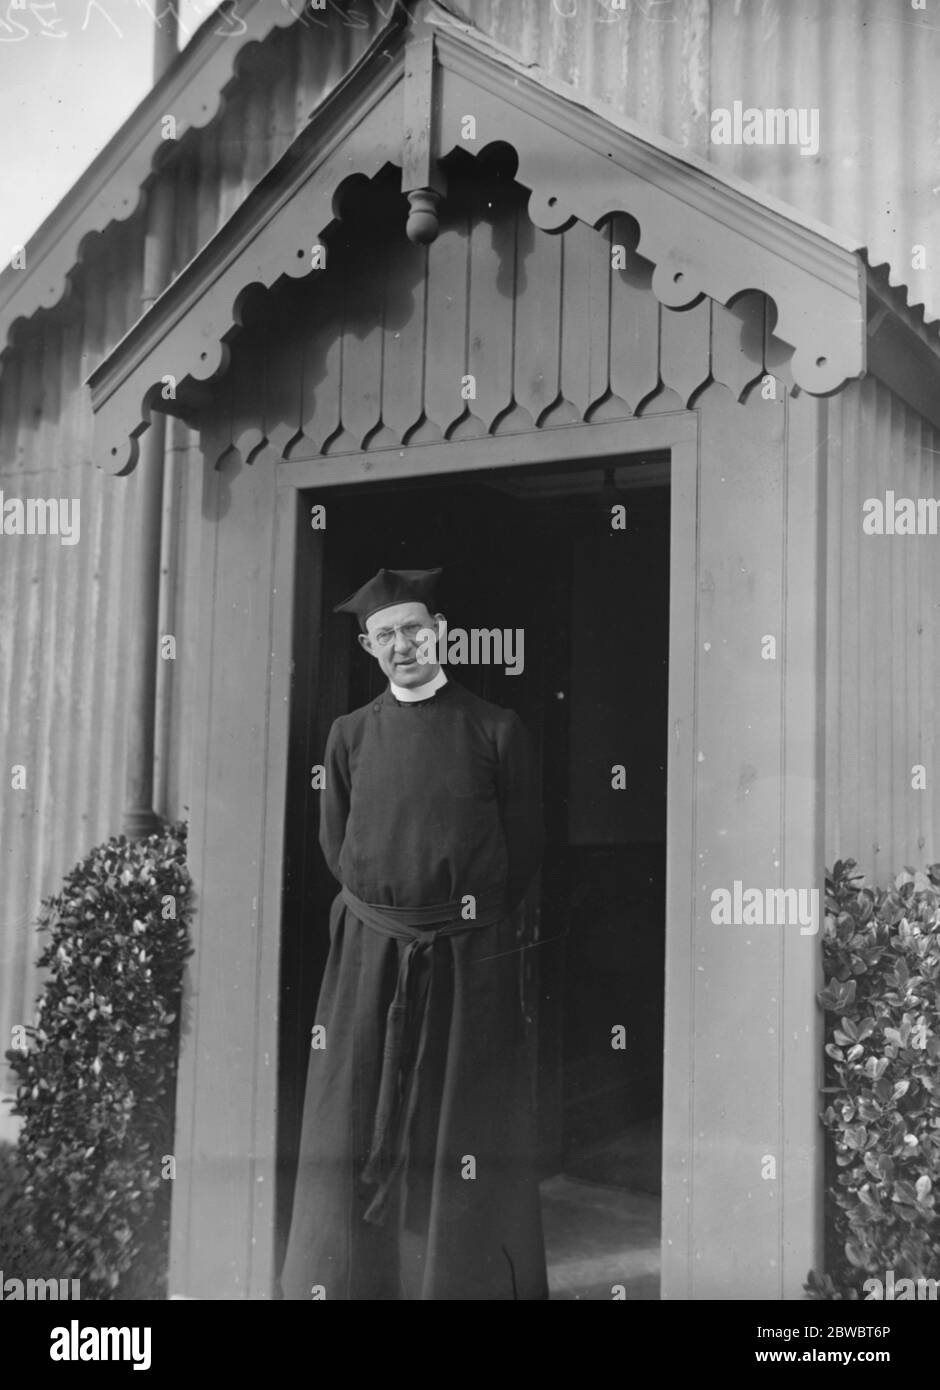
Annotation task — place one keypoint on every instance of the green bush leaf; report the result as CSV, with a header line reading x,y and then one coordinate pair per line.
x,y
96,1088
881,953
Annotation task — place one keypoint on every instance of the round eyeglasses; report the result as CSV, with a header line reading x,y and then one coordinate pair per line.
x,y
410,631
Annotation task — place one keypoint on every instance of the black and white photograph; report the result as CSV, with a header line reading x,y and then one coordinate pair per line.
x,y
470,665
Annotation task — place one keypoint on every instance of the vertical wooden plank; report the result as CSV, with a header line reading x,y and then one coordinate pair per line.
x,y
577,256
303,949
536,352
679,1036
418,168
684,348
403,371
283,398
741,768
634,323
267,999
854,446
777,355
180,566
323,319
737,347
246,377
185,1276
491,293
598,294
226,1105
802,840
448,259
362,341
840,691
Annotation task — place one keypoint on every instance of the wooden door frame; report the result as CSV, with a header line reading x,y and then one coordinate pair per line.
x,y
676,432
234,1168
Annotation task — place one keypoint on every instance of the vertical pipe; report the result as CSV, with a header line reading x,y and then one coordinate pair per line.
x,y
144,586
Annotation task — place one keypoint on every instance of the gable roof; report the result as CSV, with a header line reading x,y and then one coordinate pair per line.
x,y
206,76
194,90
704,232
110,188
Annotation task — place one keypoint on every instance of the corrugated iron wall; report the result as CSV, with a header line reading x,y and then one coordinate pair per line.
x,y
870,68
62,676
665,63
883,646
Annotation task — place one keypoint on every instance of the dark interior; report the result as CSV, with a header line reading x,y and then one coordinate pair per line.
x,y
530,549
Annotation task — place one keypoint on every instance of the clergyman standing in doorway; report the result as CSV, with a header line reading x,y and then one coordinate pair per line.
x,y
416,1174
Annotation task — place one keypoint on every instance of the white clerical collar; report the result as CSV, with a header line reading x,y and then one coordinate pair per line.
x,y
410,695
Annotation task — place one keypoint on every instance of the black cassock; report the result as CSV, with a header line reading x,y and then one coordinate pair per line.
x,y
416,1174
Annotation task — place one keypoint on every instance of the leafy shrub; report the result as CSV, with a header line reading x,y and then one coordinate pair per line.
x,y
881,949
16,1247
96,1083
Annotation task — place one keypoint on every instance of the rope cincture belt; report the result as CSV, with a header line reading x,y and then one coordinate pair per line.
x,y
406,1027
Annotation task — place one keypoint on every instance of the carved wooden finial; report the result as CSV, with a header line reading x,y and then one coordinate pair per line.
x,y
423,222
422,178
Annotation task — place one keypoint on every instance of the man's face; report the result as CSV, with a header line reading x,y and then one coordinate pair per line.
x,y
394,636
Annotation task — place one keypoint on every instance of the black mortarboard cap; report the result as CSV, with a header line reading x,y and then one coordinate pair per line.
x,y
389,587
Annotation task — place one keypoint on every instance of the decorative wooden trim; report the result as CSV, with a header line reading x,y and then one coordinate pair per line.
x,y
902,353
422,178
193,90
705,234
272,234
646,434
883,284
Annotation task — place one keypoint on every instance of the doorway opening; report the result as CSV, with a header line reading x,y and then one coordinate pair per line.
x,y
538,550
